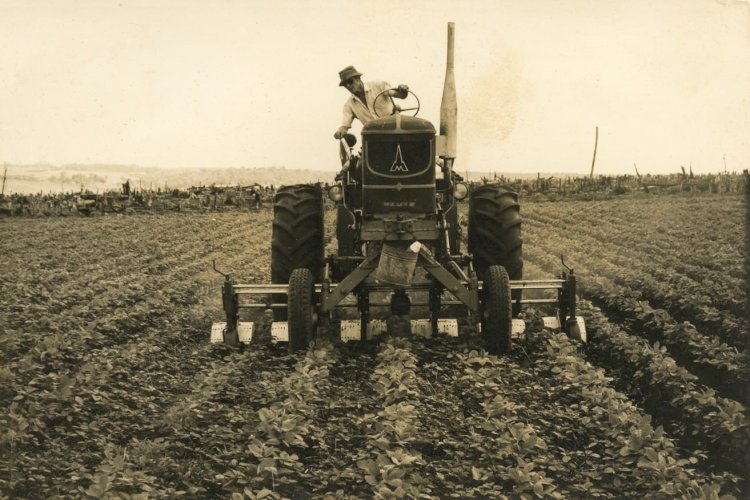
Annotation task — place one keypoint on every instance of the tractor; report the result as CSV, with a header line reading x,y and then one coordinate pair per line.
x,y
398,231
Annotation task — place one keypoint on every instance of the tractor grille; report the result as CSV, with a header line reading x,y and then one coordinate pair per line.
x,y
399,174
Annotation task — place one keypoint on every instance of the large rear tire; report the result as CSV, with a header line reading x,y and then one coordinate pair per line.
x,y
496,310
298,238
301,308
495,233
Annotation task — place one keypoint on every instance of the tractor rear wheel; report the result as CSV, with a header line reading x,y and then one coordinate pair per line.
x,y
298,238
301,309
495,233
496,310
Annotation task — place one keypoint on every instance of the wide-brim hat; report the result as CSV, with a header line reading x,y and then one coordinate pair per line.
x,y
346,73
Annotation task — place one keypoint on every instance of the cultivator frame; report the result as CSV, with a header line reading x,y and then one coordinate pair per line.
x,y
466,291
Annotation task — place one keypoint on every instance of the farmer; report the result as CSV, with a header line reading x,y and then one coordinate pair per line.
x,y
361,103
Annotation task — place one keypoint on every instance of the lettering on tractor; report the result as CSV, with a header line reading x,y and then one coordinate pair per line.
x,y
398,232
399,204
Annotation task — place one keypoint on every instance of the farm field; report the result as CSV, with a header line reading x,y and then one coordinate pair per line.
x,y
109,387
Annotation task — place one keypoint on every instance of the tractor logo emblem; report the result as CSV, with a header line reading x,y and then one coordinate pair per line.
x,y
398,163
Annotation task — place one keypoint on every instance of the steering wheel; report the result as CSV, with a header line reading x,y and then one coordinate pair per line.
x,y
396,109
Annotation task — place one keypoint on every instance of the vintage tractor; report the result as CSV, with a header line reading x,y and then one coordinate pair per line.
x,y
398,232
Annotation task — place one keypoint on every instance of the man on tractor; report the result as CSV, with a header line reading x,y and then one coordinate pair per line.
x,y
397,231
361,104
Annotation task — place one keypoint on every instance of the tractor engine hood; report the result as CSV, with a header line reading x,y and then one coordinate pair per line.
x,y
398,124
398,175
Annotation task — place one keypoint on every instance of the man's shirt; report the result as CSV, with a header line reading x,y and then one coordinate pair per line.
x,y
364,112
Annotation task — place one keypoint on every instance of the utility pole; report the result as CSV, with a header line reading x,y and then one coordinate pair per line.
x,y
5,176
725,163
593,161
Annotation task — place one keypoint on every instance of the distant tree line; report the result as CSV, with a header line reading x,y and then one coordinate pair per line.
x,y
129,200
255,196
616,185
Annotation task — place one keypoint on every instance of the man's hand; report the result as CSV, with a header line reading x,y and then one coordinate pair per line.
x,y
402,91
340,132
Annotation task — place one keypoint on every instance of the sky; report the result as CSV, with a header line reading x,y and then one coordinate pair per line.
x,y
228,83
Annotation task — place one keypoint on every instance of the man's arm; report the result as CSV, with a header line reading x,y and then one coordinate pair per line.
x,y
346,121
401,92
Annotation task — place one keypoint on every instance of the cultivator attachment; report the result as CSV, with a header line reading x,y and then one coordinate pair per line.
x,y
478,298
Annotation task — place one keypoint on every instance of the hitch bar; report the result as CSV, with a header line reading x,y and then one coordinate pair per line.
x,y
254,289
566,299
276,289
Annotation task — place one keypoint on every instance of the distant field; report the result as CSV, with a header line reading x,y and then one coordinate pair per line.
x,y
109,387
98,179
32,179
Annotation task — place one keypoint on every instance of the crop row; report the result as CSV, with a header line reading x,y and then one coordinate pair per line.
x,y
109,319
697,415
285,427
724,366
693,413
687,300
700,232
709,297
720,285
91,354
130,463
74,408
717,365
611,446
91,302
392,465
163,414
512,451
662,225
635,450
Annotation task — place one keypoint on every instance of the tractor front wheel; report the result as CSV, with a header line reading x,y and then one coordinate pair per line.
x,y
301,309
496,310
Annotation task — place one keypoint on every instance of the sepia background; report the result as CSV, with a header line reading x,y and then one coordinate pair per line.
x,y
145,143
195,84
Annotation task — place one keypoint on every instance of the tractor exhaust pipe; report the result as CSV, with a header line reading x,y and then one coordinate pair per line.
x,y
448,106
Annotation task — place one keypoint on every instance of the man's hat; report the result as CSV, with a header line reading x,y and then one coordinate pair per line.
x,y
346,73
